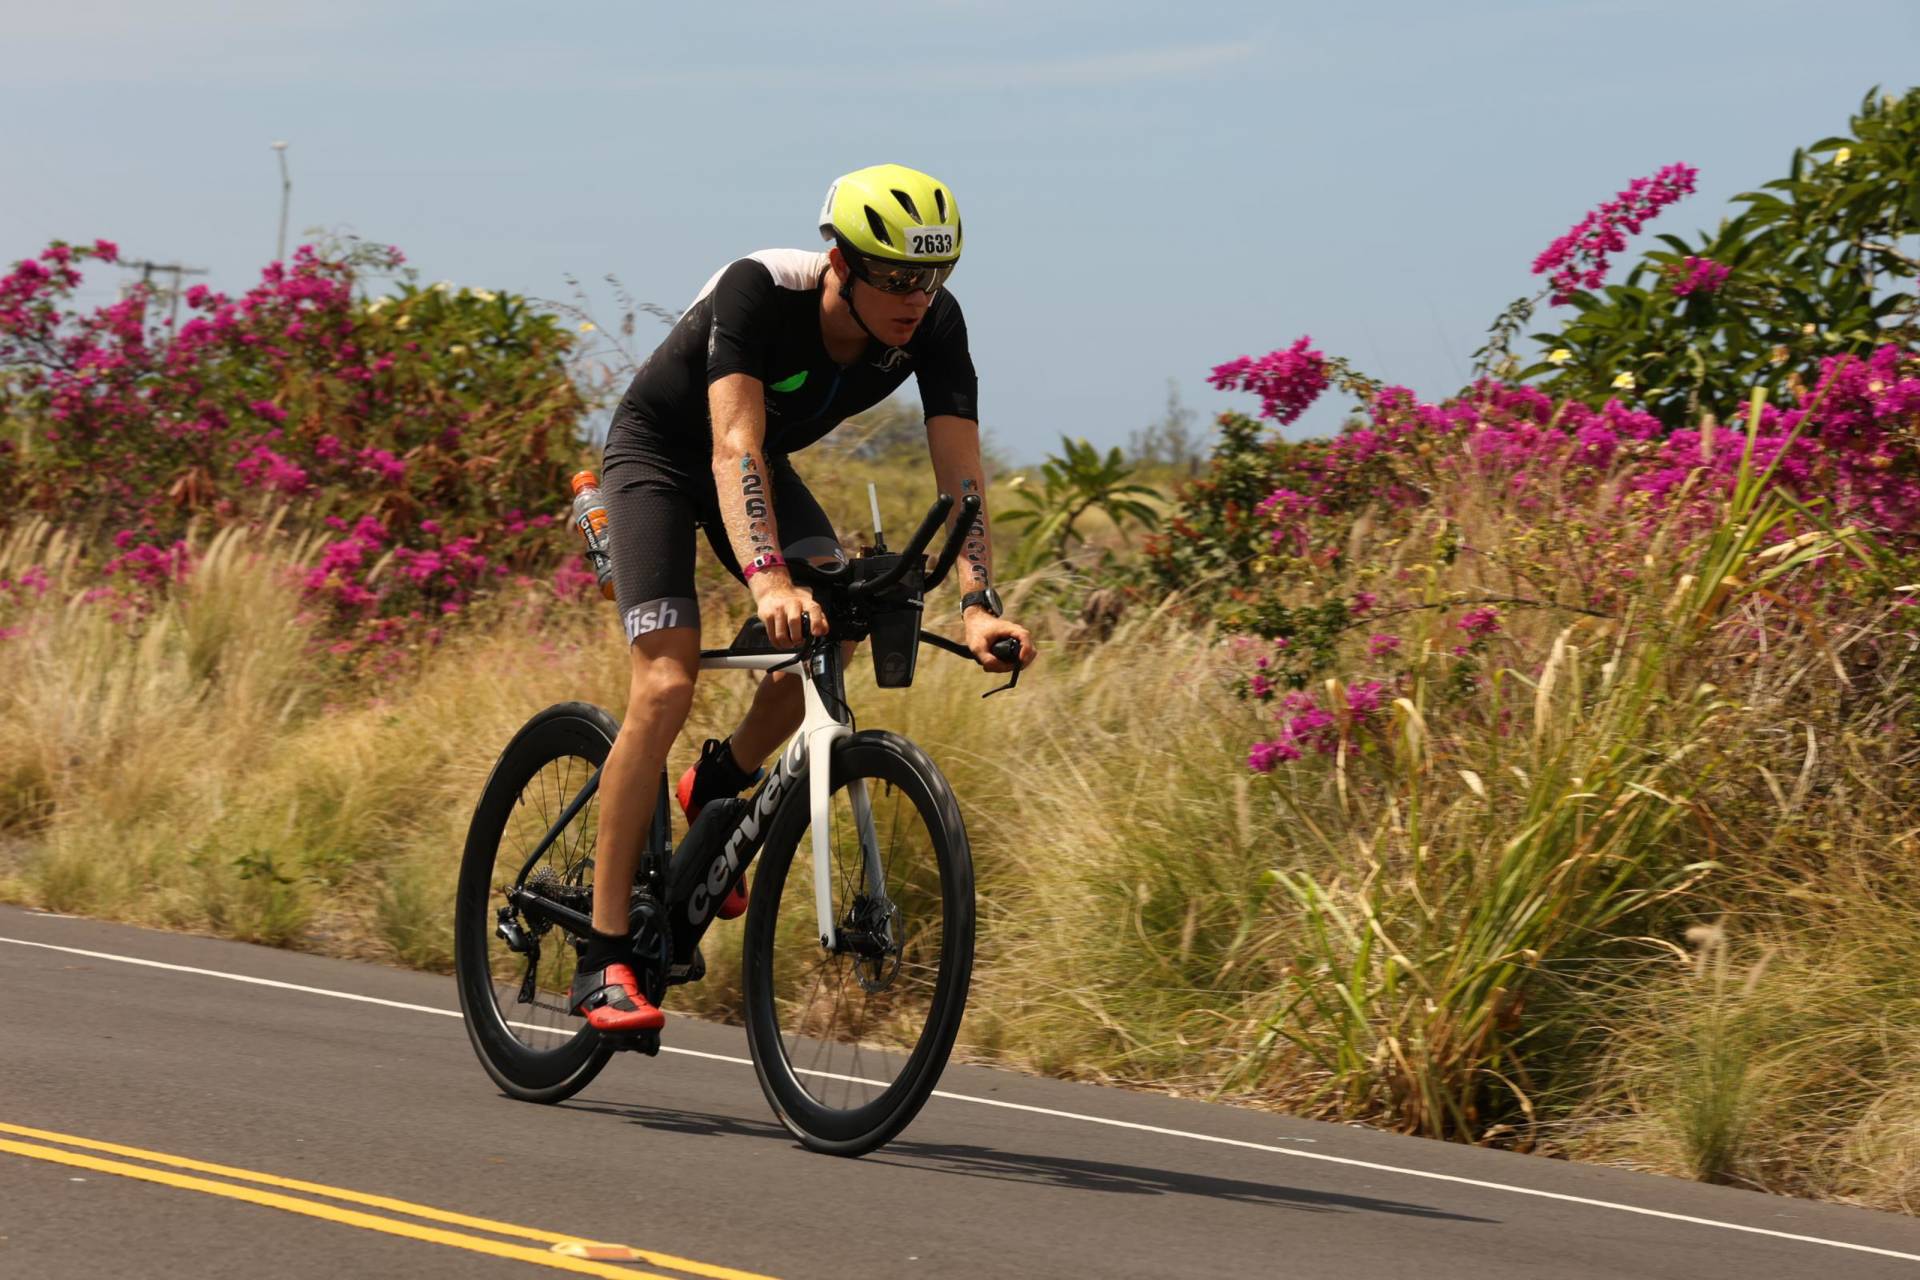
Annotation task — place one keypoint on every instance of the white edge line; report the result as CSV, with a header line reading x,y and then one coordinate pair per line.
x,y
1048,1111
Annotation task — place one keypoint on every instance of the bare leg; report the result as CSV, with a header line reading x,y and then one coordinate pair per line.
x,y
659,697
779,705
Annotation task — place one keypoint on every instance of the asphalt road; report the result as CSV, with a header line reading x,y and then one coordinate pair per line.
x,y
174,1121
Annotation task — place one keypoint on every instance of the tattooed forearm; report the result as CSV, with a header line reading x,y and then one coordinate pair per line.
x,y
978,555
753,501
954,445
746,502
742,479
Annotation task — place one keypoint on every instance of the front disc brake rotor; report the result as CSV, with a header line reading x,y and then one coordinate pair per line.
x,y
876,932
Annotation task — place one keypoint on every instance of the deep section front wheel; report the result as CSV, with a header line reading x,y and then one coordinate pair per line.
x,y
849,1042
514,972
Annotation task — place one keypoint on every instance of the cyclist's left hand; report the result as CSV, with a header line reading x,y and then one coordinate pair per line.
x,y
983,629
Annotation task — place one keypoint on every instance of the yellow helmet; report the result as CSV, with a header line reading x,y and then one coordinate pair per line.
x,y
895,214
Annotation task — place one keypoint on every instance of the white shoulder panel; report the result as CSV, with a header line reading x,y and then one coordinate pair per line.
x,y
790,268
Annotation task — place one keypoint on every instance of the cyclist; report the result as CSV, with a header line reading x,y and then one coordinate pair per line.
x,y
779,348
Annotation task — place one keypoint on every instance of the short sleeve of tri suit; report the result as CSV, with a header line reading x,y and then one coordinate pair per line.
x,y
740,335
942,364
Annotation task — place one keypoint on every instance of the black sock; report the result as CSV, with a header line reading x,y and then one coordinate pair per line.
x,y
602,950
720,775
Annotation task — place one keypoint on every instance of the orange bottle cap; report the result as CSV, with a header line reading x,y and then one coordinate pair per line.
x,y
581,479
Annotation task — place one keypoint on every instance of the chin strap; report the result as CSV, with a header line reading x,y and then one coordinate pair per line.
x,y
846,296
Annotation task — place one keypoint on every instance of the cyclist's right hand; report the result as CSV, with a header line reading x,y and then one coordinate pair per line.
x,y
782,605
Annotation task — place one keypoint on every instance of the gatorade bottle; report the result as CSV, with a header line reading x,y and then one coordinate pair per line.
x,y
590,518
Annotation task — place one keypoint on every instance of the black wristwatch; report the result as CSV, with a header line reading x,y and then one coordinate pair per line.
x,y
985,597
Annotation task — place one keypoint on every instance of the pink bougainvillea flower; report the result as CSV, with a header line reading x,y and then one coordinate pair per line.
x,y
1263,757
383,464
1845,440
266,469
152,566
1579,259
1364,697
574,581
1481,623
1287,382
1316,728
1699,275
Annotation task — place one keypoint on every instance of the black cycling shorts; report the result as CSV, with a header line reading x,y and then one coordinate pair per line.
x,y
655,496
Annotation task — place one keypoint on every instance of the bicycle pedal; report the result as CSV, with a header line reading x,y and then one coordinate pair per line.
x,y
647,1042
692,971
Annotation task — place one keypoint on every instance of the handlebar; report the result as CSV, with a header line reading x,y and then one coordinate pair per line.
x,y
914,554
969,509
916,547
1007,648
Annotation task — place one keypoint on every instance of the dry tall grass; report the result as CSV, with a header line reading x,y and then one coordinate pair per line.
x,y
1152,913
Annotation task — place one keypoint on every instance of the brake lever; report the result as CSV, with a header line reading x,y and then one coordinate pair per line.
x,y
999,649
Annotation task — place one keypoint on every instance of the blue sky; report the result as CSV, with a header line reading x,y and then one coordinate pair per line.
x,y
1148,189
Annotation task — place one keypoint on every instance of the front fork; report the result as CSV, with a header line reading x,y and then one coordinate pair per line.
x,y
822,728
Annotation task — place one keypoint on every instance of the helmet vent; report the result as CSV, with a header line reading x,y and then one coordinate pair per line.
x,y
906,202
879,227
940,203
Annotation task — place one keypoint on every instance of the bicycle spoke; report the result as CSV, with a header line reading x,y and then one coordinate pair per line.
x,y
886,872
513,989
848,1042
564,863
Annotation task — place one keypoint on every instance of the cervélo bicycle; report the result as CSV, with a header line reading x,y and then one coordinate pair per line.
x,y
856,959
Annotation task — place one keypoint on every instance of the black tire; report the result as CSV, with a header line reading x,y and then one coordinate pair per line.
x,y
537,1052
872,1057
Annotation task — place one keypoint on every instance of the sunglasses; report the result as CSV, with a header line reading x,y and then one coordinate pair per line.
x,y
900,277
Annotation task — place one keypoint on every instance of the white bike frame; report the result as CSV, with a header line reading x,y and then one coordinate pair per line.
x,y
819,730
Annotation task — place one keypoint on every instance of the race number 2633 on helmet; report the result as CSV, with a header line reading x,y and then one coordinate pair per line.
x,y
898,228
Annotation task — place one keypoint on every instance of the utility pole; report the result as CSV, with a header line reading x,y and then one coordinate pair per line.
x,y
286,195
147,271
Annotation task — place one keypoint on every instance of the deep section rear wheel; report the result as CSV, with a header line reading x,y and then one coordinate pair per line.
x,y
515,1001
849,1043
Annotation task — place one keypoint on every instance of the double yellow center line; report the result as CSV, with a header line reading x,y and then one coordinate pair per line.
x,y
563,1252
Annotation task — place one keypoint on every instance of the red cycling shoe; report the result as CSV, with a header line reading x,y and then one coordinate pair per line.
x,y
612,1002
713,776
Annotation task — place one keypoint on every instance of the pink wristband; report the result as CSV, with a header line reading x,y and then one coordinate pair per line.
x,y
755,565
